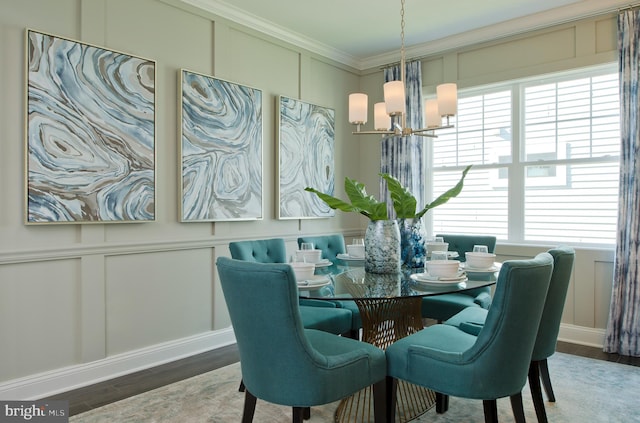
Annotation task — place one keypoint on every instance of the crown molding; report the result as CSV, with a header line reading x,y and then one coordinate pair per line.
x,y
576,11
259,24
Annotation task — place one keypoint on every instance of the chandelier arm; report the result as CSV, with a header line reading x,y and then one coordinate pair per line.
x,y
399,126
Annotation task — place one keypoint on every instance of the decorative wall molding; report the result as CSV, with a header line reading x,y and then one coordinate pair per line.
x,y
61,380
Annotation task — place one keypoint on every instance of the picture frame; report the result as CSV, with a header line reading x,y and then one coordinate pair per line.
x,y
305,158
90,133
221,169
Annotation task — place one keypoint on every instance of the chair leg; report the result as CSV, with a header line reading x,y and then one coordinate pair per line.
x,y
442,403
298,414
546,380
390,392
249,407
517,407
536,391
241,388
490,411
307,413
380,401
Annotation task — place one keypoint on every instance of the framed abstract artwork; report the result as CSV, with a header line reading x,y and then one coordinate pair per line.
x,y
306,138
220,150
90,133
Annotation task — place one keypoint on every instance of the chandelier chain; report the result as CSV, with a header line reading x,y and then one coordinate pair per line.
x,y
402,30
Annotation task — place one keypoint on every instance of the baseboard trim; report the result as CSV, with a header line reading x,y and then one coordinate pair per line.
x,y
581,335
73,377
61,380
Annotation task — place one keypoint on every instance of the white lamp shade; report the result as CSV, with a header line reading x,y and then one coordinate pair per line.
x,y
358,108
434,119
394,97
381,120
447,99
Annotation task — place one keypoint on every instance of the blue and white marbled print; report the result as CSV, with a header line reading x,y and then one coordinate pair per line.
x,y
221,150
90,134
306,158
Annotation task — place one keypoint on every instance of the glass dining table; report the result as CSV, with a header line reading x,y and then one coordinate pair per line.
x,y
390,306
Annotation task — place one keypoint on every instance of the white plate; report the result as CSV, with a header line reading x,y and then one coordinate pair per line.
x,y
323,263
347,257
450,254
316,282
435,283
491,269
425,277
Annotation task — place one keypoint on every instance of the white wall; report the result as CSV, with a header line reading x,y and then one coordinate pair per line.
x,y
81,303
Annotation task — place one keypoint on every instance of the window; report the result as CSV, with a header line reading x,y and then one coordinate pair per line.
x,y
546,160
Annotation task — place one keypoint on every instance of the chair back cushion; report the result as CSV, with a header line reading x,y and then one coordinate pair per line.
x,y
261,251
563,258
464,243
331,245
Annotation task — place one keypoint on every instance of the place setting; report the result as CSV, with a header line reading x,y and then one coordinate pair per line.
x,y
480,260
440,272
309,254
355,251
305,277
438,244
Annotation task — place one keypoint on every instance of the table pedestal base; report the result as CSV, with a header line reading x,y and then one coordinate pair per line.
x,y
384,321
412,402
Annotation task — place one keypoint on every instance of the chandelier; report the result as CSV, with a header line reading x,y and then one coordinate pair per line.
x,y
394,105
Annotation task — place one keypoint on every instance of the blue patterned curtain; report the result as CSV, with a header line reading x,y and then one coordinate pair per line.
x,y
402,157
623,329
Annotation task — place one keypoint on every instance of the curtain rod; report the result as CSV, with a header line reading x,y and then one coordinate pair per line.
x,y
631,6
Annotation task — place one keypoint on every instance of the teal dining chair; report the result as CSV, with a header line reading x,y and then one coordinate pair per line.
x,y
331,246
494,364
281,361
547,337
316,314
442,307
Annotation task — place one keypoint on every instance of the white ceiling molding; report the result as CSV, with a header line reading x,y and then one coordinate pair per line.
x,y
256,23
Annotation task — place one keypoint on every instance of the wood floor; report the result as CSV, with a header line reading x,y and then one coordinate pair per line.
x,y
85,399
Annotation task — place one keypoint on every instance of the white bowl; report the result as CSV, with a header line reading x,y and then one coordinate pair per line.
x,y
480,260
443,268
309,256
437,246
355,251
302,270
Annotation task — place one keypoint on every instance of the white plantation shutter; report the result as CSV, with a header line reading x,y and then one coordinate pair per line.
x,y
545,158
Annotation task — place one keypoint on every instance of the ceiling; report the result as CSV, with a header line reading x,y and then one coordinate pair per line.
x,y
366,33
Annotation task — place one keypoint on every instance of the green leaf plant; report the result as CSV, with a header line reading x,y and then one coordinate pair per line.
x,y
404,203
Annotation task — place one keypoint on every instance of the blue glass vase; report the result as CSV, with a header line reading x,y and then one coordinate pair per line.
x,y
412,243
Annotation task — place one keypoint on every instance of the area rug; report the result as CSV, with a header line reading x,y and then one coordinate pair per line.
x,y
587,390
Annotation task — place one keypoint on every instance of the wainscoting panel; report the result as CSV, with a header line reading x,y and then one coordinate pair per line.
x,y
39,308
156,297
